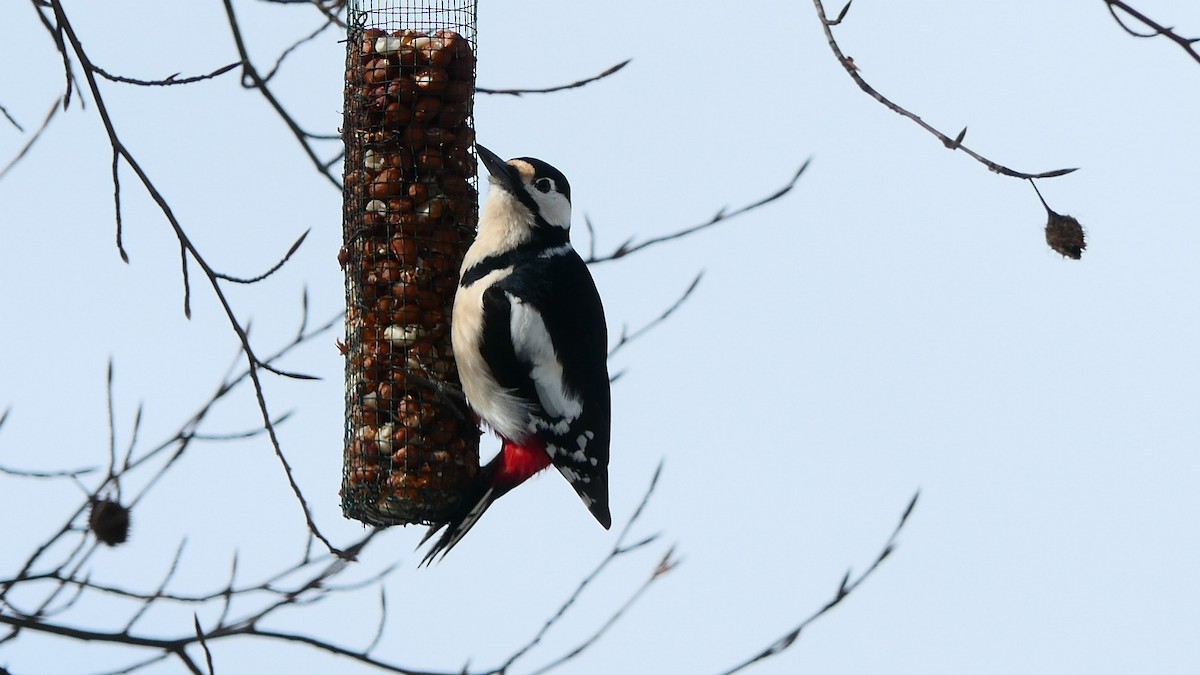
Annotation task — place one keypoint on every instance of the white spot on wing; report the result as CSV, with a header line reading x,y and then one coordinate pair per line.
x,y
574,476
558,428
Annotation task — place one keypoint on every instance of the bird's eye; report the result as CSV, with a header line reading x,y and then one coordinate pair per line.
x,y
543,184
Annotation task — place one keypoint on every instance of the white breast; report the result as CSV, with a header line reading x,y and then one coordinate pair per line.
x,y
498,407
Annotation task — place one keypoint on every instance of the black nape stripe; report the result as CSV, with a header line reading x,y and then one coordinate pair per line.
x,y
544,239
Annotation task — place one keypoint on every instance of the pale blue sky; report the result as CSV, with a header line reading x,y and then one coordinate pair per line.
x,y
895,323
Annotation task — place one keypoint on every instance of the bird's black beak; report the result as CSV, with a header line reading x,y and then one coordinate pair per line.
x,y
502,174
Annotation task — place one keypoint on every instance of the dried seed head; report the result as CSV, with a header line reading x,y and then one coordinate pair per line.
x,y
1064,234
109,521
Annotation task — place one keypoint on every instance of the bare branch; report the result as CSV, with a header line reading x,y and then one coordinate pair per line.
x,y
65,473
665,565
187,661
330,12
723,215
249,73
618,550
116,181
845,588
562,87
112,428
32,139
11,119
275,268
56,32
239,435
626,337
382,621
138,665
166,82
188,248
842,14
951,143
203,643
329,21
162,587
1157,30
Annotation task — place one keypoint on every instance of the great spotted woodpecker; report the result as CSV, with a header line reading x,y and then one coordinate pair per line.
x,y
530,341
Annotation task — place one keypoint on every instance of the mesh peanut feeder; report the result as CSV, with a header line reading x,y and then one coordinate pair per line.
x,y
410,211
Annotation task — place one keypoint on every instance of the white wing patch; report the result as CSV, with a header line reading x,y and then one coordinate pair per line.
x,y
531,341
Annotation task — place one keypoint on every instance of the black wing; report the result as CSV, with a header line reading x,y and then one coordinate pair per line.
x,y
555,300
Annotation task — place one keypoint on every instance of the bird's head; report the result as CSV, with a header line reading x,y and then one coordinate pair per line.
x,y
540,188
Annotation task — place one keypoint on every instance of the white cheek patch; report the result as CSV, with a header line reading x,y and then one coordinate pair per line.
x,y
554,207
531,342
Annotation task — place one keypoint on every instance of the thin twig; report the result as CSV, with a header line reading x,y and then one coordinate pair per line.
x,y
721,216
187,249
65,473
203,644
664,565
116,181
148,601
382,621
12,120
112,426
949,142
619,549
562,87
1187,44
329,21
627,337
844,590
165,82
138,665
32,139
257,82
275,268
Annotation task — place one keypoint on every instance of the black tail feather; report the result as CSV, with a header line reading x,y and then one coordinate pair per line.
x,y
456,527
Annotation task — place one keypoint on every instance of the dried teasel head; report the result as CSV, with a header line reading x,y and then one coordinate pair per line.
x,y
109,521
